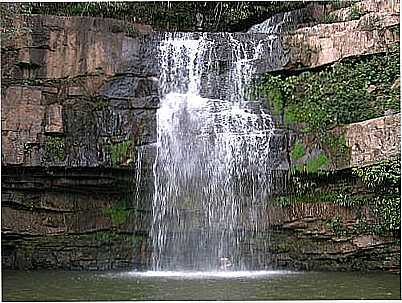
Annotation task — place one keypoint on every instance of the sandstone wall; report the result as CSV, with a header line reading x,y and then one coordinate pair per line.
x,y
77,86
366,143
78,115
375,30
374,140
72,219
323,236
317,235
308,244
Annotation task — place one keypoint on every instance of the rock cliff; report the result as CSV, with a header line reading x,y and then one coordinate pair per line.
x,y
79,101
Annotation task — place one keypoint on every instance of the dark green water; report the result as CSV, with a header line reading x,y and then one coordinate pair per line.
x,y
106,286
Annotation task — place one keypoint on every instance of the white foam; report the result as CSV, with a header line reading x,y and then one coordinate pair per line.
x,y
208,274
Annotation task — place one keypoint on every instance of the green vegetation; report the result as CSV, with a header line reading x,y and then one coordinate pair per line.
x,y
336,225
297,151
275,99
320,197
54,149
355,12
316,163
385,175
350,91
387,209
384,179
121,152
118,215
120,211
379,192
335,145
328,18
341,197
313,165
180,15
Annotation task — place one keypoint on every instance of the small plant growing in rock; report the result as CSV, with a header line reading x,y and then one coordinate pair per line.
x,y
318,162
355,12
329,18
313,165
118,215
337,226
54,149
121,153
297,151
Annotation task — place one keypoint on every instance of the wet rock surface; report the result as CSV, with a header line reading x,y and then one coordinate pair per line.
x,y
311,246
72,219
77,86
76,103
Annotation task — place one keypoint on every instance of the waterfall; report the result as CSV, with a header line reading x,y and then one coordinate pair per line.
x,y
281,22
212,169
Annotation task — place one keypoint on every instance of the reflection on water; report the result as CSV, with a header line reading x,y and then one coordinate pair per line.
x,y
263,285
203,274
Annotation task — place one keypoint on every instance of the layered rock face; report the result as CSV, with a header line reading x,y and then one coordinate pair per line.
x,y
375,28
319,236
367,143
77,100
89,88
325,233
374,140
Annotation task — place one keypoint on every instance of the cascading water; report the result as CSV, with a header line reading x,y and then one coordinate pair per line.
x,y
280,22
212,169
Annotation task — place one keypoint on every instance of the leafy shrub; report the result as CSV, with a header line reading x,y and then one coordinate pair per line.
x,y
384,180
121,152
316,163
388,211
384,174
54,149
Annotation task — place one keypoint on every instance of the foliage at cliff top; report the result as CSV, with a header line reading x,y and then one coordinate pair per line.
x,y
175,15
350,91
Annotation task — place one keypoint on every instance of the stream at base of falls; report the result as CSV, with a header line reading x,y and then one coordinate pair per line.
x,y
241,285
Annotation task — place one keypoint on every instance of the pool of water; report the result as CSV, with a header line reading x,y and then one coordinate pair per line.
x,y
242,285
